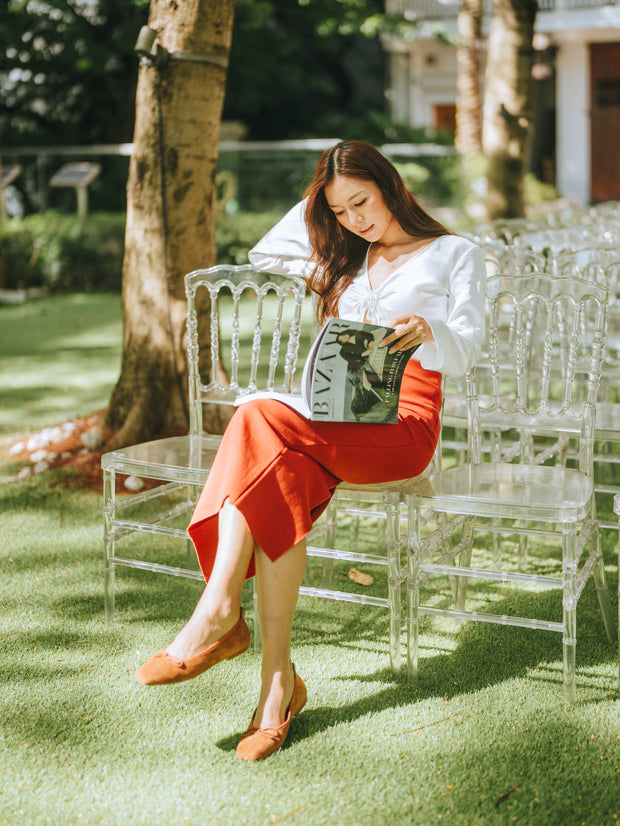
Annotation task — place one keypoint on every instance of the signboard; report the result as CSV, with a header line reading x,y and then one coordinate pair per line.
x,y
76,174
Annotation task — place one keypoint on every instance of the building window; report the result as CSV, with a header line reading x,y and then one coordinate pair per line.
x,y
445,117
608,91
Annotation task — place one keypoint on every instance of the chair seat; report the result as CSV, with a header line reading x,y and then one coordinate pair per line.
x,y
607,421
415,484
183,459
549,494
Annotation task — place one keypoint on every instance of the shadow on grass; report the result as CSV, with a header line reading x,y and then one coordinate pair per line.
x,y
485,655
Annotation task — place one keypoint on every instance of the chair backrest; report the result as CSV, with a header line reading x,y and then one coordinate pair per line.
x,y
553,240
554,329
506,229
589,262
262,313
506,258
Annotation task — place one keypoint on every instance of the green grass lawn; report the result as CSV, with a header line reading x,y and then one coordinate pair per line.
x,y
486,737
60,357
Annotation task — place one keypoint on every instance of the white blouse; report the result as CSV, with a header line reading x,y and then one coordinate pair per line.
x,y
445,283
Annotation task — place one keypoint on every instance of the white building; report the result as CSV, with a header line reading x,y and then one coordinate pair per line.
x,y
577,116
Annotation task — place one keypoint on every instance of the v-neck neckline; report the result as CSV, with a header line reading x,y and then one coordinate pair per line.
x,y
398,269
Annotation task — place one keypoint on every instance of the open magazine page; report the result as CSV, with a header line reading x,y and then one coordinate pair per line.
x,y
355,380
347,377
298,401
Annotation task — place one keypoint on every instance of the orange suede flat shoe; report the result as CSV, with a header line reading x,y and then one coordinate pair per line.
x,y
163,669
258,743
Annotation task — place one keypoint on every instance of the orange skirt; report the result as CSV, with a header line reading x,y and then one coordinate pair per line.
x,y
280,470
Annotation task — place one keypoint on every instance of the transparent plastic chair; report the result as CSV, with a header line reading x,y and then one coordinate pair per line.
x,y
588,262
268,349
505,229
490,493
380,507
267,342
553,240
508,258
602,264
617,512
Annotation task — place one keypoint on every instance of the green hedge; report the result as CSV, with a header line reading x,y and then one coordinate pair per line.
x,y
60,253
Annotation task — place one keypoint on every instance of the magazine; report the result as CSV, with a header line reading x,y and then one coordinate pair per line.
x,y
347,377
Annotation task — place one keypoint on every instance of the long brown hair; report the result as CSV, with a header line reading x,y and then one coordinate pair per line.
x,y
338,253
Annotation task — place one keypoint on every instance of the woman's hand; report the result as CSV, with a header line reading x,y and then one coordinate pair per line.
x,y
409,330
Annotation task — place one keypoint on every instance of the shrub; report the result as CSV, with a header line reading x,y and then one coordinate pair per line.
x,y
60,253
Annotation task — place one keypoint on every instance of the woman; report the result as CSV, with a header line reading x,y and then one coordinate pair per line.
x,y
375,255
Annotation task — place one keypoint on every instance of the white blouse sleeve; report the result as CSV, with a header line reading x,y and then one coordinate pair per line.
x,y
458,339
285,248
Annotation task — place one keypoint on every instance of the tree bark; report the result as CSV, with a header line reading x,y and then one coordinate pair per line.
x,y
468,138
508,103
170,216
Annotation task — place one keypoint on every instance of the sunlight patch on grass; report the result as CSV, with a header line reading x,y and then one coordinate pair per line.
x,y
59,358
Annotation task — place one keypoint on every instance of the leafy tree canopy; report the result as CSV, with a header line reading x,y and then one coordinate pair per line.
x,y
302,68
298,68
68,71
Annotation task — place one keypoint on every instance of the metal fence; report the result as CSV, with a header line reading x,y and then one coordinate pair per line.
x,y
442,9
253,175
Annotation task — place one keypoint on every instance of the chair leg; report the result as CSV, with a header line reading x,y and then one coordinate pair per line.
x,y
569,648
522,552
191,560
569,606
392,510
327,575
464,561
258,641
413,593
602,592
191,557
109,493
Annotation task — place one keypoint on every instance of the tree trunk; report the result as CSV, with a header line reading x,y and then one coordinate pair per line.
x,y
468,138
170,215
508,102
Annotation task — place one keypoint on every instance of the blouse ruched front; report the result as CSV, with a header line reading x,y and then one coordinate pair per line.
x,y
445,283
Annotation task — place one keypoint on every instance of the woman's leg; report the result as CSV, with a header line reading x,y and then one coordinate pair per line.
x,y
218,608
277,585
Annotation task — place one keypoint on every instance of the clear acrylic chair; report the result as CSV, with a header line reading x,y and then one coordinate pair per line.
x,y
602,264
589,262
488,493
380,507
507,258
617,512
553,240
264,343
505,229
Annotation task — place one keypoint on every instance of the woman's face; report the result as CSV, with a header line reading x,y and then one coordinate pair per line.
x,y
359,206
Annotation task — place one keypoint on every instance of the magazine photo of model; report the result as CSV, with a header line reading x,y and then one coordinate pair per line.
x,y
367,376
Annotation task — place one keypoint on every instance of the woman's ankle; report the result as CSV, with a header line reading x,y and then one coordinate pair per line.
x,y
276,691
201,631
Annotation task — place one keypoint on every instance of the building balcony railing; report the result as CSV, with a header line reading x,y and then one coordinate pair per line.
x,y
442,9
